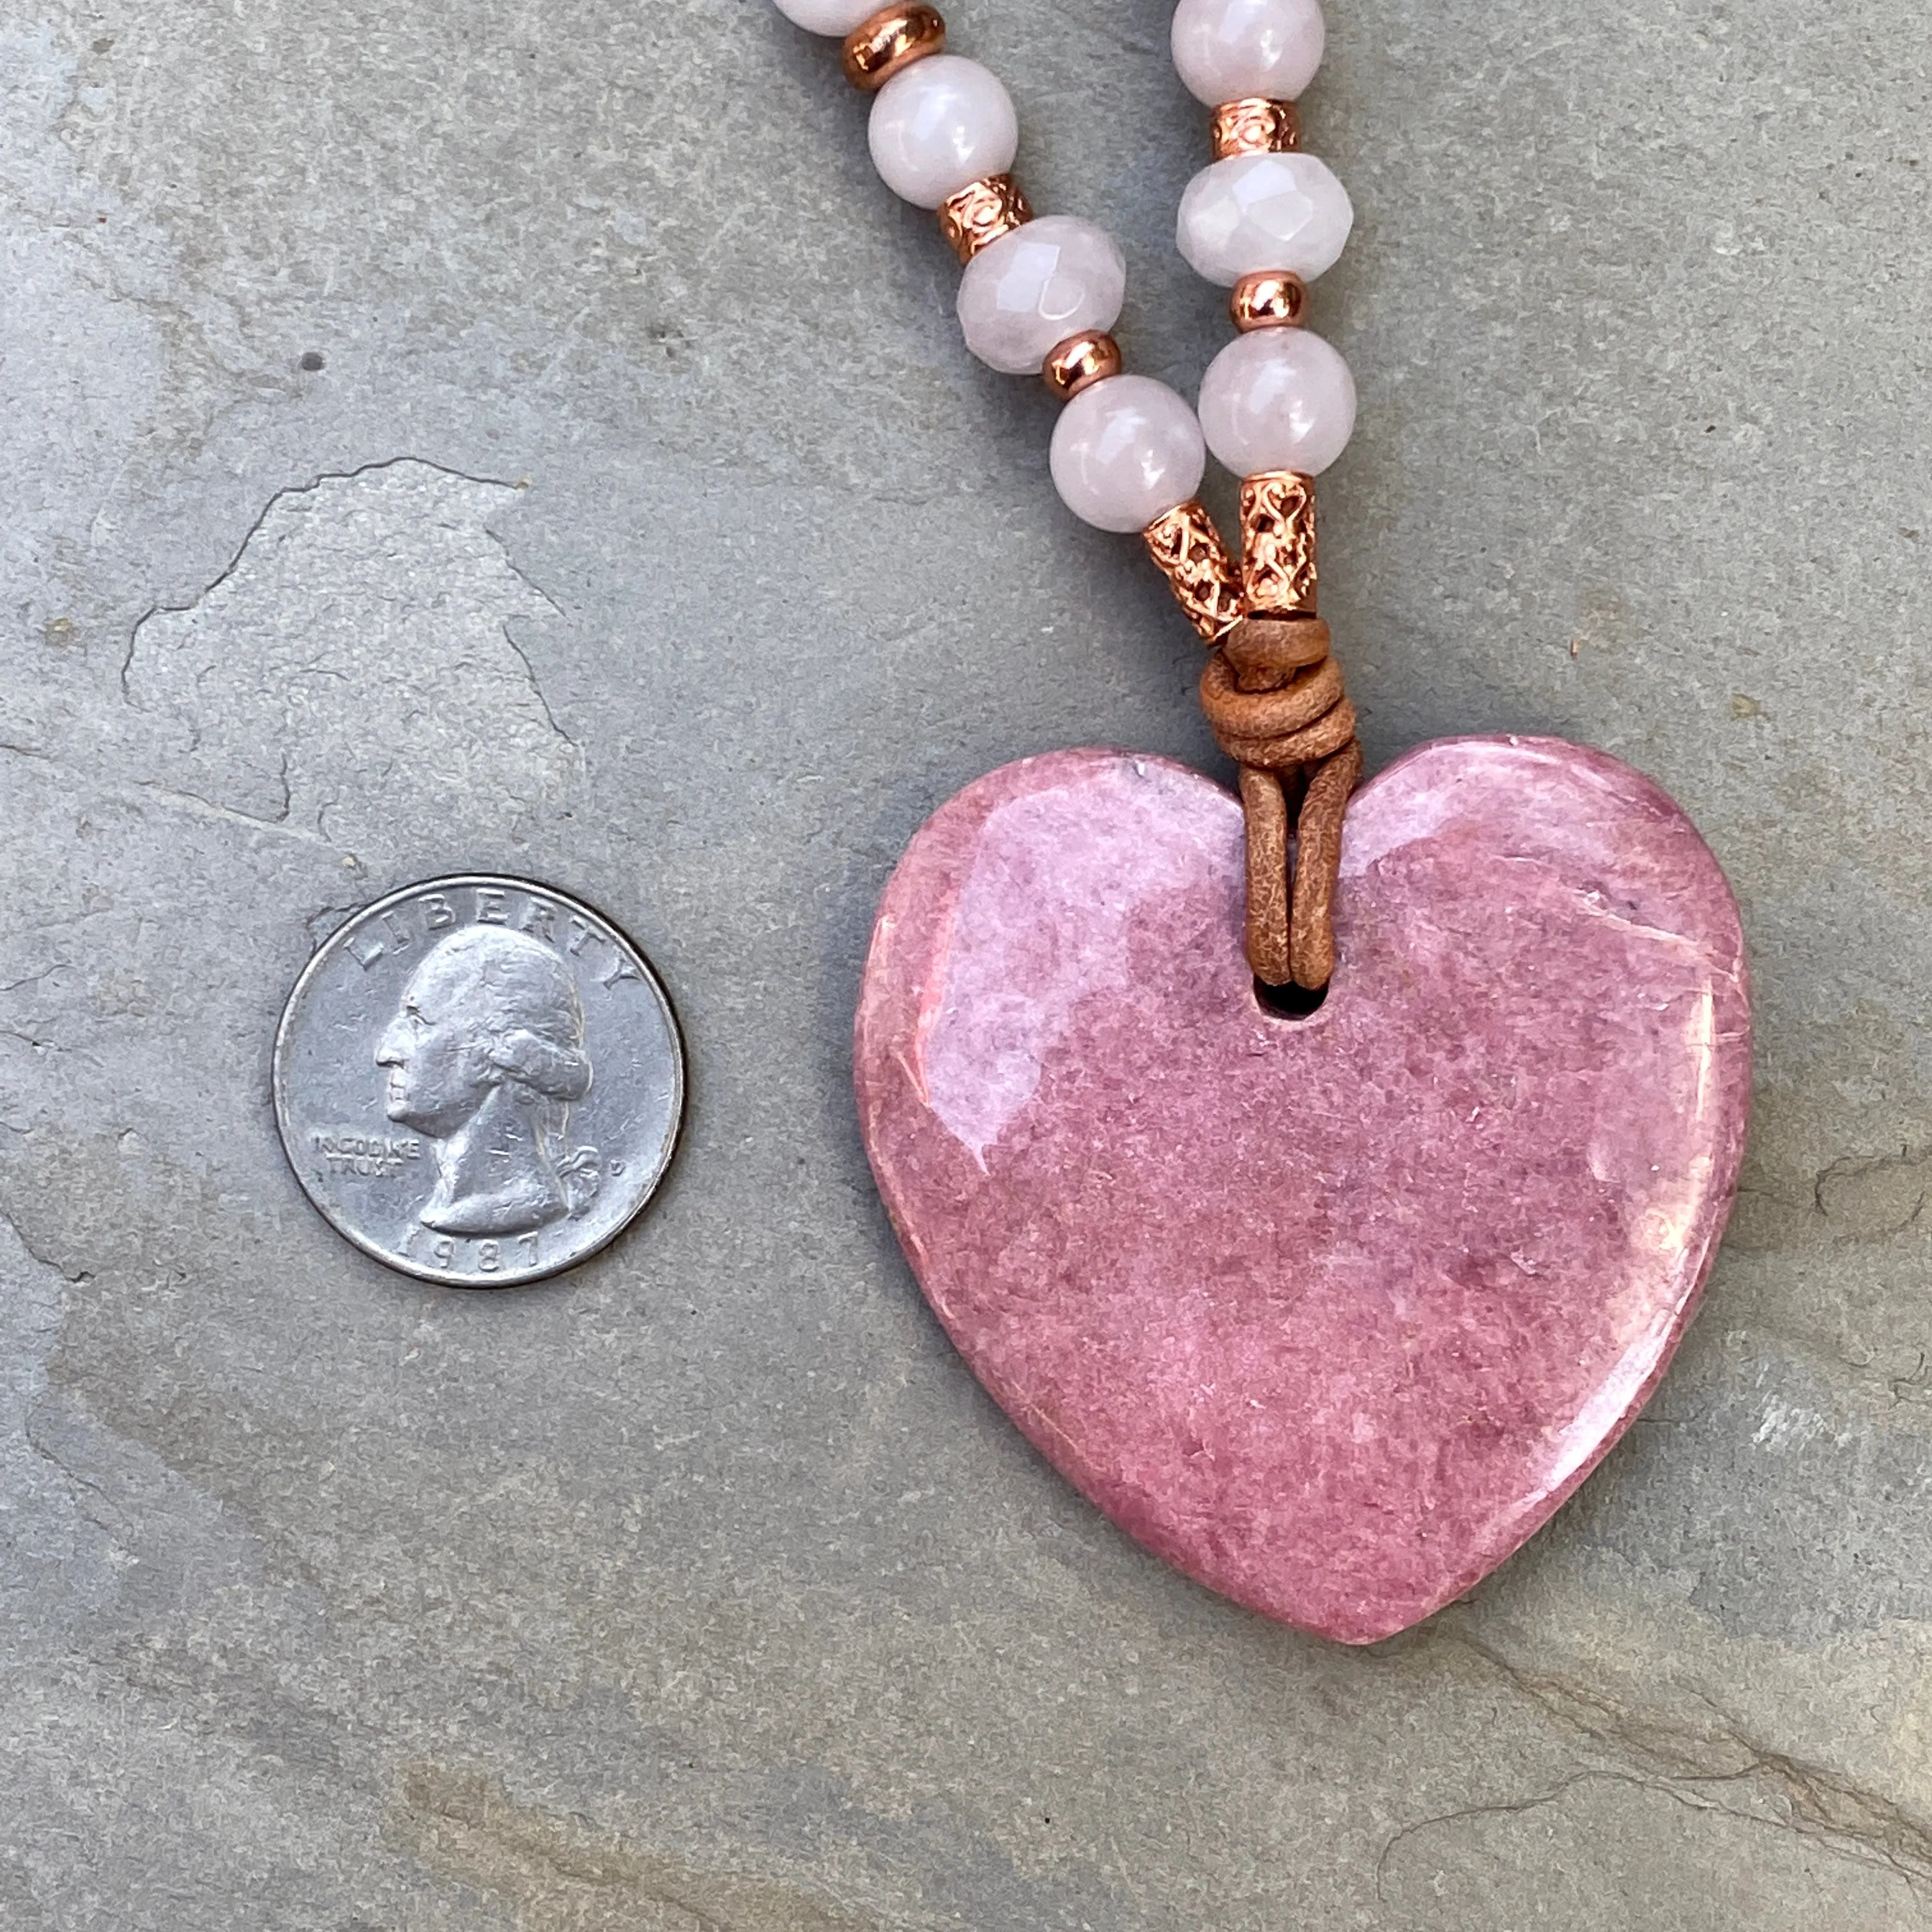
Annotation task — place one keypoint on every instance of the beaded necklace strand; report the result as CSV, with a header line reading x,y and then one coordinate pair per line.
x,y
1041,296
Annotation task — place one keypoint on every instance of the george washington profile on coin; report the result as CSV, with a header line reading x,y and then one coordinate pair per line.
x,y
485,1058
479,1081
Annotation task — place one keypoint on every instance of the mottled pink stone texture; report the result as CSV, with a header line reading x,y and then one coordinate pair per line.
x,y
1332,1314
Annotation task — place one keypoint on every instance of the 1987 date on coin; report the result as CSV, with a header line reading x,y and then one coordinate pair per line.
x,y
479,1080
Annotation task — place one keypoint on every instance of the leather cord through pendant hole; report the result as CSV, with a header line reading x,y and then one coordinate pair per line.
x,y
1290,1002
1276,701
1274,697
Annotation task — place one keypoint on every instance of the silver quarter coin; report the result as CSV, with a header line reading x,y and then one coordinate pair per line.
x,y
479,1081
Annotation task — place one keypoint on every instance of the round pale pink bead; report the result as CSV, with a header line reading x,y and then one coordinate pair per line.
x,y
1232,50
940,123
827,16
1279,399
1125,452
1253,212
1032,289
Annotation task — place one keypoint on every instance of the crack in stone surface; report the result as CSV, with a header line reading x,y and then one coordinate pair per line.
x,y
1809,1800
294,490
1871,1198
1503,1808
559,1874
75,1480
73,1277
209,808
357,667
529,671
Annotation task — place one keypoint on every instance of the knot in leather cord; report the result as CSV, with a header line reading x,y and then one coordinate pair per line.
x,y
1275,699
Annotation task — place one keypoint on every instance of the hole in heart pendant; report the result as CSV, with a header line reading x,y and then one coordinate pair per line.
x,y
1288,1003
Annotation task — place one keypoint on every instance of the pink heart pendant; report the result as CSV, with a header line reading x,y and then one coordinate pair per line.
x,y
1333,1313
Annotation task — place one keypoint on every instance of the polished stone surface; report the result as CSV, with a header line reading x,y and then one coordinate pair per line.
x,y
706,1586
1023,296
1330,1313
1251,213
1225,50
939,125
1277,399
1125,452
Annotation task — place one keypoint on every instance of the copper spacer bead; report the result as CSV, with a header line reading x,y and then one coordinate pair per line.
x,y
1079,362
981,212
1272,299
1256,126
890,41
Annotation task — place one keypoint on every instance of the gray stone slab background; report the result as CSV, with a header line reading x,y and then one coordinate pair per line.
x,y
646,529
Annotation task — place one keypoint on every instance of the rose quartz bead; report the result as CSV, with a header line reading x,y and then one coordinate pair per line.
x,y
827,16
1252,212
1125,452
939,124
1230,50
1279,399
1032,289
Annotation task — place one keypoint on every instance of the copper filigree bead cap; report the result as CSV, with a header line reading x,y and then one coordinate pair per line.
x,y
1203,576
1079,362
1272,299
888,42
1278,577
1256,126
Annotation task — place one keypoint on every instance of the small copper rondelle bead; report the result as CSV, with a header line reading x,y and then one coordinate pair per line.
x,y
1079,362
1272,299
1255,126
891,40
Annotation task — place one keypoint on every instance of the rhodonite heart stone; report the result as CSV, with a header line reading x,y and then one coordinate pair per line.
x,y
1331,1313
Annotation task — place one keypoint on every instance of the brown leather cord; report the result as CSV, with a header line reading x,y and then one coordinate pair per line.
x,y
1264,806
1318,865
1322,739
1276,643
1274,698
1241,708
1276,701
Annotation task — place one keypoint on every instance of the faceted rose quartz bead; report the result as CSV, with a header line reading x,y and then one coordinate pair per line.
x,y
1125,452
1232,49
1252,212
1032,289
940,123
827,16
1279,399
